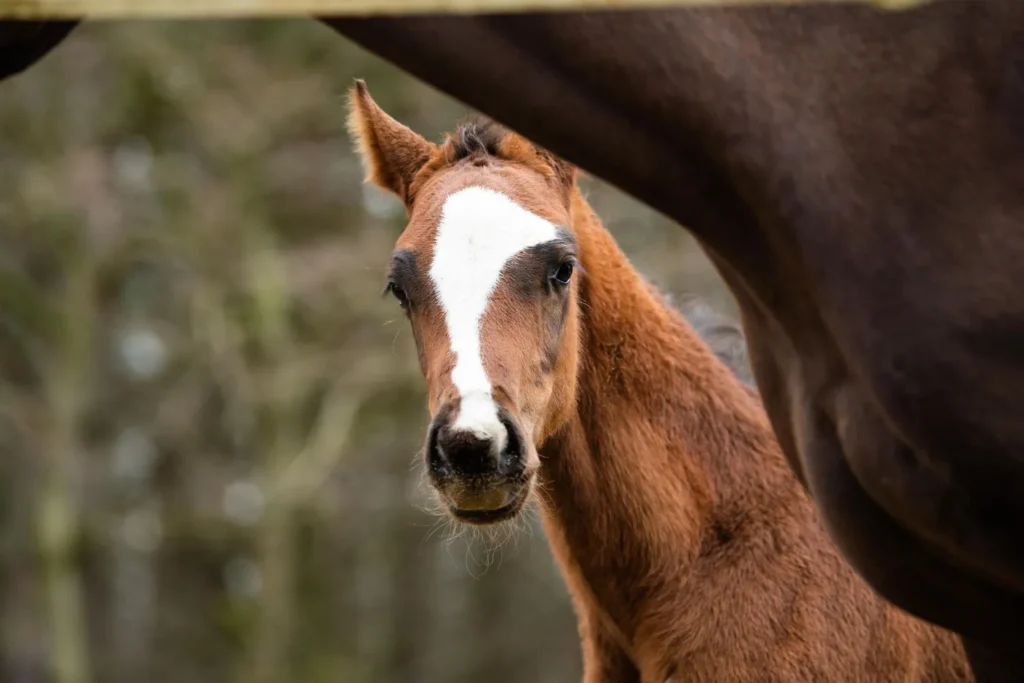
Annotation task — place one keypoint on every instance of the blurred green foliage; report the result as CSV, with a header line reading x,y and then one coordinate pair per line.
x,y
208,414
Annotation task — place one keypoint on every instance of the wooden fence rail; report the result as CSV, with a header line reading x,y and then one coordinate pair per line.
x,y
209,9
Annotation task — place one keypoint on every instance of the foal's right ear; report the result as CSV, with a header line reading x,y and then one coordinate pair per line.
x,y
391,153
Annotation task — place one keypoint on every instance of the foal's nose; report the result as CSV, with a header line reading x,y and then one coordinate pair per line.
x,y
466,452
470,446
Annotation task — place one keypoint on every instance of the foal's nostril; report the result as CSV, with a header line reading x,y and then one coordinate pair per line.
x,y
514,441
465,452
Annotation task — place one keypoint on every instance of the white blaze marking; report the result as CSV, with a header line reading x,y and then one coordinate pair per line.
x,y
480,231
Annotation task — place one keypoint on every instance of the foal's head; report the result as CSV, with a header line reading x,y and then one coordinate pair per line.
x,y
486,273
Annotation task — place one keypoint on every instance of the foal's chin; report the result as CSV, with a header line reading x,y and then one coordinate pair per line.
x,y
484,502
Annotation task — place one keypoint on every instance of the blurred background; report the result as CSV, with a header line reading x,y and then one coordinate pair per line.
x,y
208,414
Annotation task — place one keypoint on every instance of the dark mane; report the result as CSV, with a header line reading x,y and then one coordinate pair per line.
x,y
723,335
477,136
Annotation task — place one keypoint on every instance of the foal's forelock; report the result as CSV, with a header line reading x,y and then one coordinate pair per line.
x,y
479,232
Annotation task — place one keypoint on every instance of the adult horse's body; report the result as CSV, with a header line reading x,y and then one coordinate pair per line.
x,y
856,176
691,550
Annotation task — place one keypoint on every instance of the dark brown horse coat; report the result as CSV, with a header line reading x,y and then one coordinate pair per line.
x,y
857,178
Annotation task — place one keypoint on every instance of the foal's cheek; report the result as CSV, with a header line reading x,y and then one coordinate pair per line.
x,y
542,404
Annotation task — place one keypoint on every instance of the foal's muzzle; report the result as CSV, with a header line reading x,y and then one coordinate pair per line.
x,y
479,469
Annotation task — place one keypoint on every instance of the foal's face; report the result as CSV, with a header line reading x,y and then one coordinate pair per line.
x,y
485,272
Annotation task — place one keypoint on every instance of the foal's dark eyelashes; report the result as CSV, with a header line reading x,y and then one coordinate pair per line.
x,y
392,288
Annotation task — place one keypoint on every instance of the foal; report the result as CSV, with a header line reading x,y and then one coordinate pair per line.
x,y
690,549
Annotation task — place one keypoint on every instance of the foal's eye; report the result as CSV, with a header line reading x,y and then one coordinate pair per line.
x,y
399,294
563,273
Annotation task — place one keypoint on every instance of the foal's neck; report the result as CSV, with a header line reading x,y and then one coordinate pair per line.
x,y
667,449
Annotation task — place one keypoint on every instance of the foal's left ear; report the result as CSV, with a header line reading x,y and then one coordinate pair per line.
x,y
391,153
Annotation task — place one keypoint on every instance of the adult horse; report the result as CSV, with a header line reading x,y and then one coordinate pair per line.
x,y
855,176
858,179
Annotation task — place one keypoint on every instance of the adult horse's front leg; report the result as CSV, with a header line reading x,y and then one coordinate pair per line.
x,y
994,665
